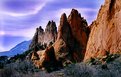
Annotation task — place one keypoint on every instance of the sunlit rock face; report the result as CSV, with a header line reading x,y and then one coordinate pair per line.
x,y
72,38
41,40
46,37
38,37
105,33
70,45
50,33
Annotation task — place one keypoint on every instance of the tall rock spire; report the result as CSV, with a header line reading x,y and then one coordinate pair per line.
x,y
38,37
46,37
50,33
70,45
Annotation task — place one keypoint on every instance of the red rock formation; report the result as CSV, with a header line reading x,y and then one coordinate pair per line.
x,y
106,31
72,37
70,45
79,32
59,49
71,41
49,60
64,40
41,40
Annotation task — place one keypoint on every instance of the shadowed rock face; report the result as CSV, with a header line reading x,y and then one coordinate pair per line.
x,y
79,33
64,40
50,60
72,37
70,45
38,37
106,31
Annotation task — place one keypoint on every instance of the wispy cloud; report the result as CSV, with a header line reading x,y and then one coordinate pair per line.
x,y
19,18
27,33
22,7
2,48
14,14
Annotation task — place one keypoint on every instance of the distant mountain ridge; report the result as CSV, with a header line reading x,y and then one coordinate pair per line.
x,y
18,49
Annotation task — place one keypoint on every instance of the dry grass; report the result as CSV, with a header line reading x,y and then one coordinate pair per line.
x,y
26,69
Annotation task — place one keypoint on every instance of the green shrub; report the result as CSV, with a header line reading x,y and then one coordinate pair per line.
x,y
110,57
1,65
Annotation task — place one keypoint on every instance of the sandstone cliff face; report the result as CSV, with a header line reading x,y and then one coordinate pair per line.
x,y
70,45
106,31
46,37
64,39
72,37
80,36
50,33
38,37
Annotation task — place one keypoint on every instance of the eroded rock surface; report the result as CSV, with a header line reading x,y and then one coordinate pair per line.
x,y
105,33
46,37
70,45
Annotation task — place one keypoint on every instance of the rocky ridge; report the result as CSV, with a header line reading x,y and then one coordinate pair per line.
x,y
105,33
70,45
46,37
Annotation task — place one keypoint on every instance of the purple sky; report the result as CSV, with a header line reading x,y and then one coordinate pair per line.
x,y
19,18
